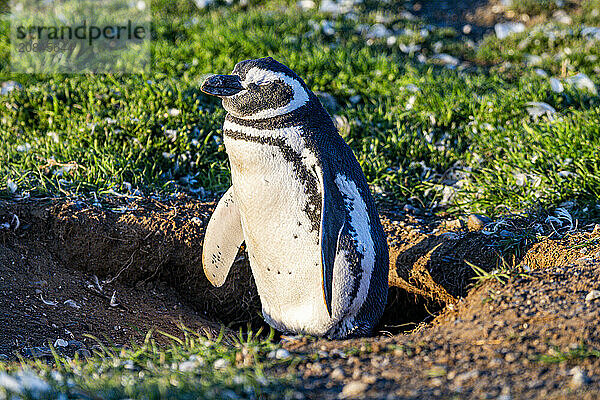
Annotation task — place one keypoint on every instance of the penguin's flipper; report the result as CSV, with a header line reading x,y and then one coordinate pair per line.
x,y
332,224
222,239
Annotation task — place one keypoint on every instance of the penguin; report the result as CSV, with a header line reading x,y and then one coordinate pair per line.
x,y
300,202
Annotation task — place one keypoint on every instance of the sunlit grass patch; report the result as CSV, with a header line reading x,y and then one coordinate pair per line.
x,y
193,366
431,116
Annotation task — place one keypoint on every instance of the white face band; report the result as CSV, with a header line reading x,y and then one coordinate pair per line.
x,y
259,76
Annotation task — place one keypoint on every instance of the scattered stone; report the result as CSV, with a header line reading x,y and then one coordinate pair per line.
x,y
337,353
477,222
33,385
378,31
72,303
465,376
579,378
61,343
410,48
446,59
337,374
539,108
355,99
10,383
592,295
591,32
12,187
467,29
582,82
532,59
556,85
506,29
281,354
306,4
221,363
562,17
322,354
3,357
202,4
407,15
454,224
191,364
327,28
8,87
353,390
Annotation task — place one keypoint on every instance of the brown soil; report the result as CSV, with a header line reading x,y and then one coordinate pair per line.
x,y
487,340
533,335
148,254
480,15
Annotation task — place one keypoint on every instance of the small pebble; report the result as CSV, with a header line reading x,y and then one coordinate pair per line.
x,y
476,222
454,224
281,354
592,295
556,85
221,363
61,343
579,378
337,374
72,303
353,390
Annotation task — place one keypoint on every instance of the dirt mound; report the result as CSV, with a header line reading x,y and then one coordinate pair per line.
x,y
527,335
148,253
139,241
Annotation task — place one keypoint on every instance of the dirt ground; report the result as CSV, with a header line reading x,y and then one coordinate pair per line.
x,y
529,337
118,268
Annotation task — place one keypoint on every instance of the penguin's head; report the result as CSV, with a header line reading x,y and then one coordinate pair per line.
x,y
258,89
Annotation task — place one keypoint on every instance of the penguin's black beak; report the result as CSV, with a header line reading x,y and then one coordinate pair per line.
x,y
222,85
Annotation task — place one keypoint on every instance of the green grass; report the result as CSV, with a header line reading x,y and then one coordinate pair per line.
x,y
417,128
193,367
574,355
502,274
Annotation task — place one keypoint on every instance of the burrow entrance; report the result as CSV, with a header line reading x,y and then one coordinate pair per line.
x,y
119,268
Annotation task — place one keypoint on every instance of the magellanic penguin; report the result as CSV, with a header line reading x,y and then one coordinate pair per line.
x,y
300,202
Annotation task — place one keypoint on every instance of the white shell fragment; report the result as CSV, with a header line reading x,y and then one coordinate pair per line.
x,y
582,82
539,108
506,29
72,303
556,85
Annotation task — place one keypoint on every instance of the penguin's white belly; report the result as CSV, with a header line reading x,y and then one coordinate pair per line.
x,y
282,242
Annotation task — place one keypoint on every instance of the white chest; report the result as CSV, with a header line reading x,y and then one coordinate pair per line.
x,y
277,207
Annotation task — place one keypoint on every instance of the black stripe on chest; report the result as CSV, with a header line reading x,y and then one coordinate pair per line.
x,y
314,204
349,242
